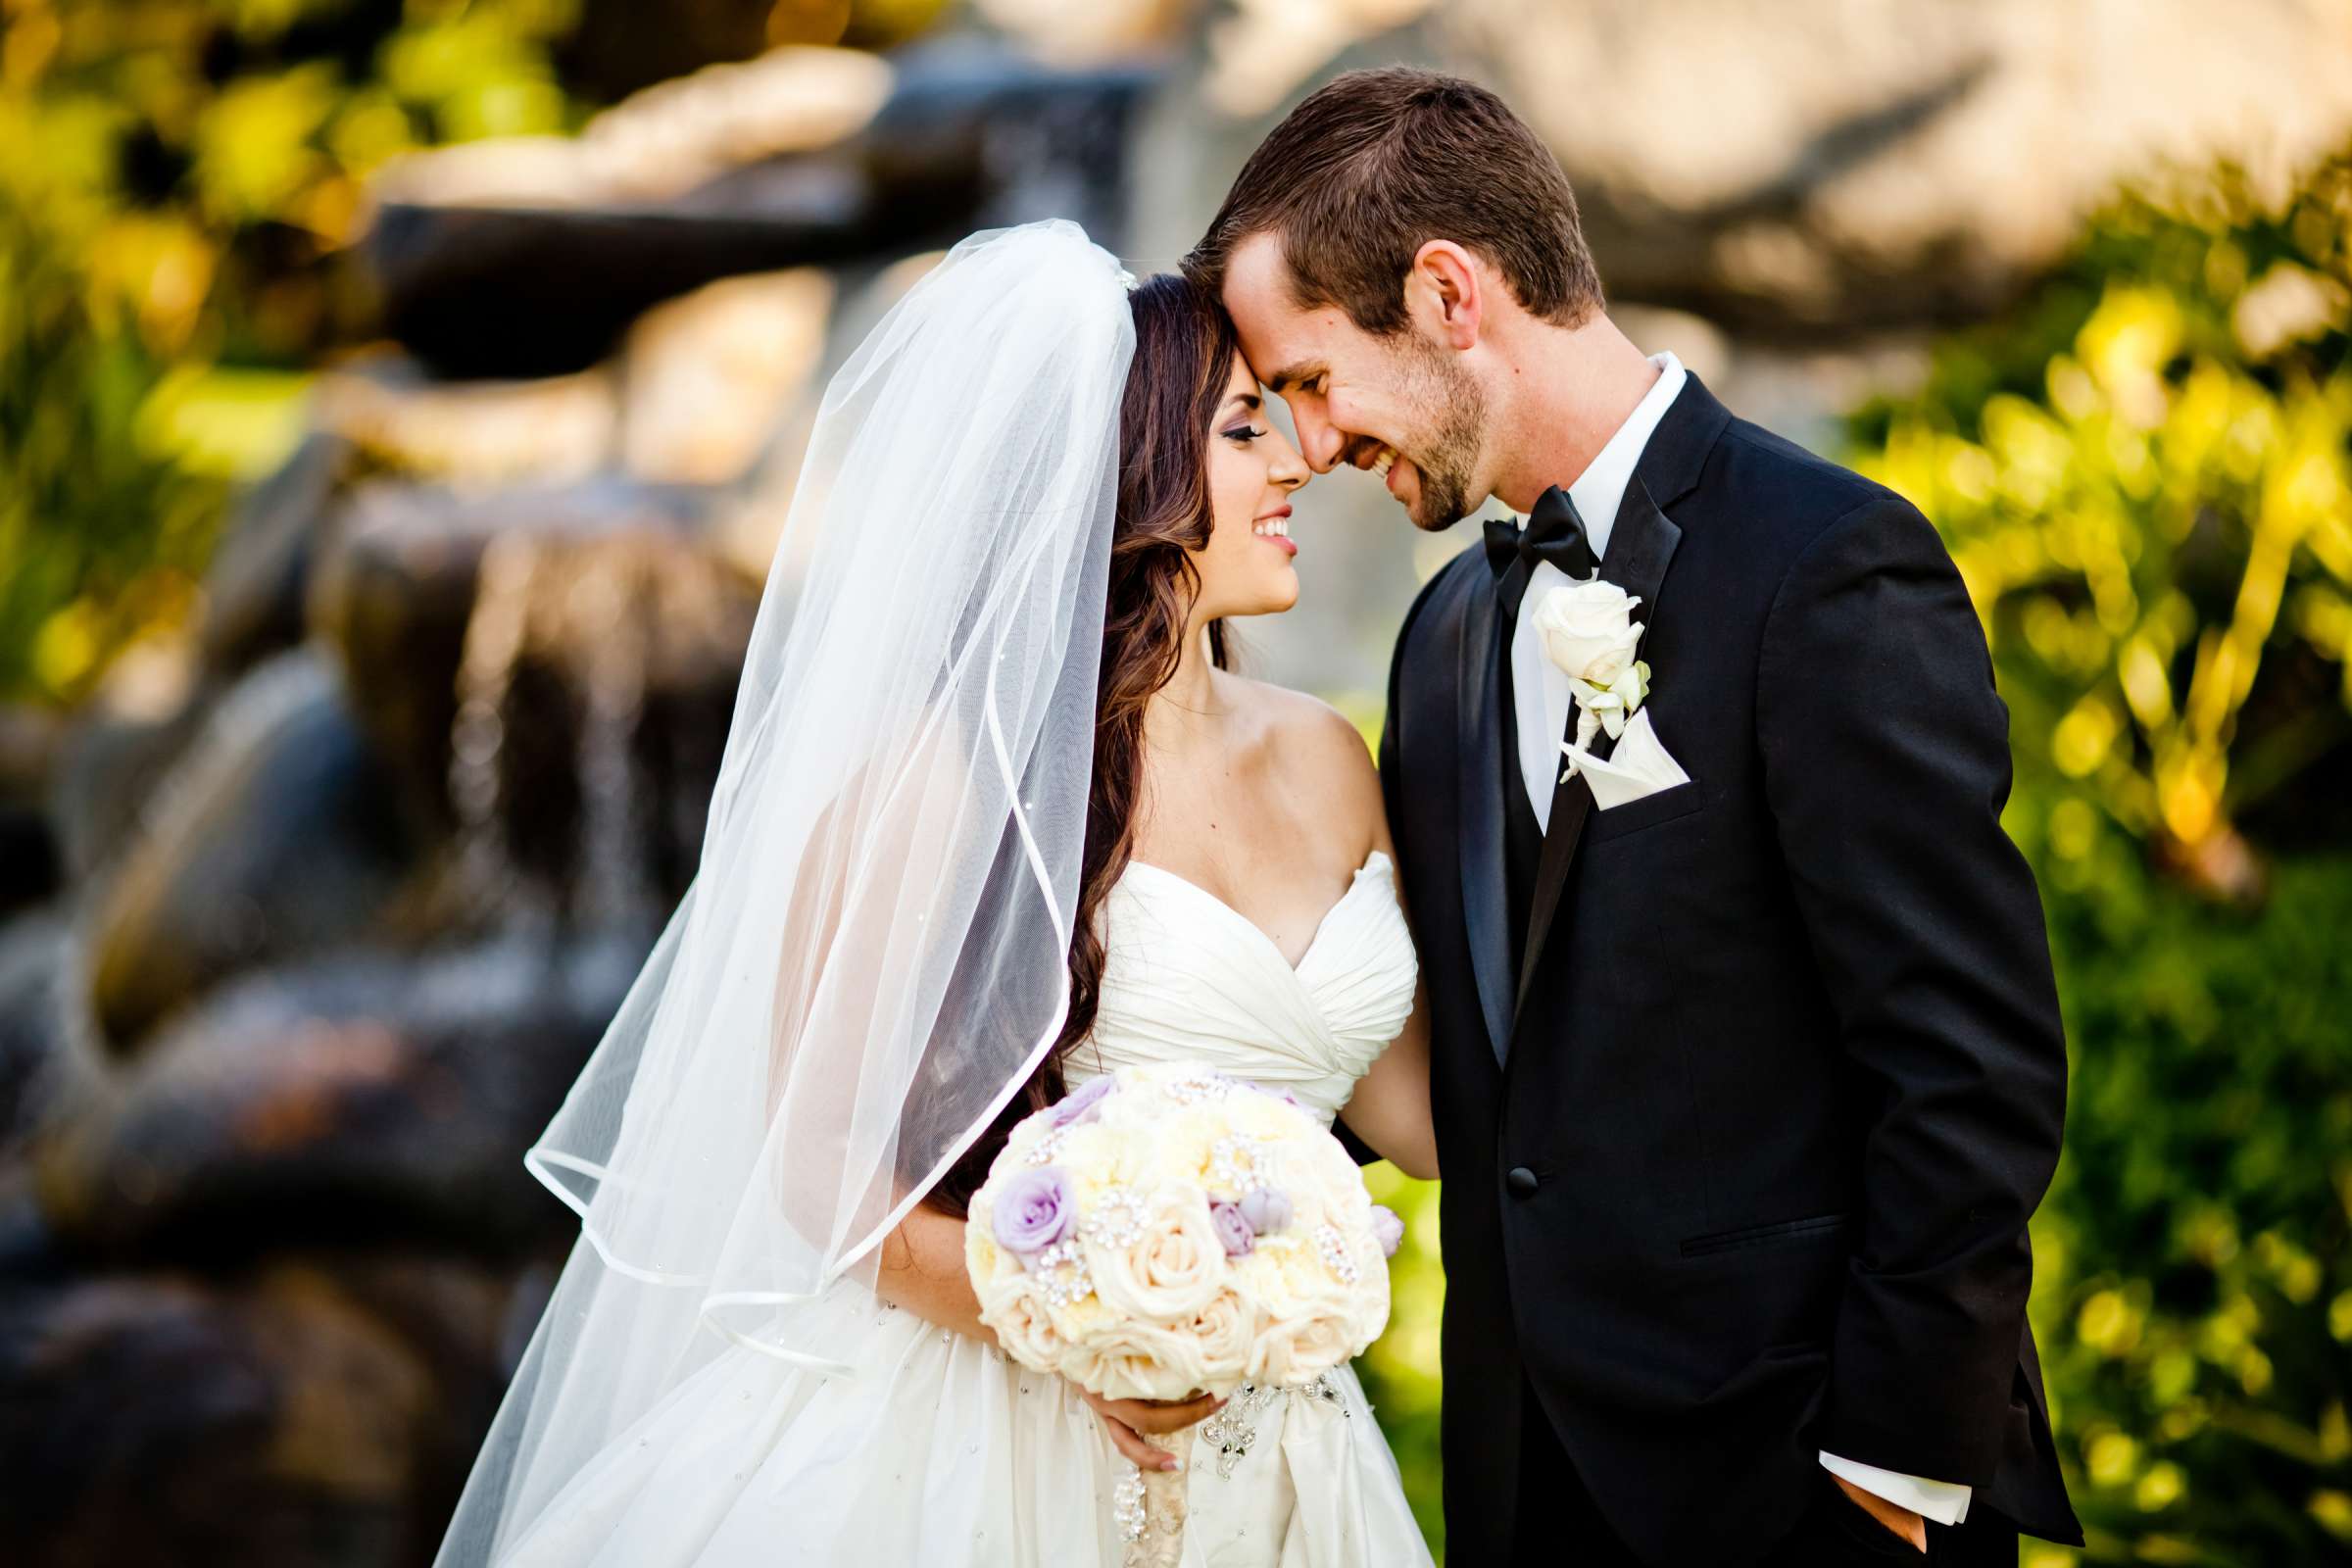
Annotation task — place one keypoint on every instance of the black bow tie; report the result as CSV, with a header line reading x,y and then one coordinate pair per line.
x,y
1554,532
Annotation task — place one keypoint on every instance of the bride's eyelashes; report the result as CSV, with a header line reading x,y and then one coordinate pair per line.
x,y
1244,434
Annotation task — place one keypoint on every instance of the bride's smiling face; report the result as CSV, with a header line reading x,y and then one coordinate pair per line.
x,y
1245,567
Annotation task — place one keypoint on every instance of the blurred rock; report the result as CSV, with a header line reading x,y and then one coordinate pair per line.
x,y
34,949
1855,164
553,430
659,143
253,590
618,47
531,258
276,834
31,861
315,1415
552,671
356,1103
693,396
706,378
1102,30
106,771
1796,172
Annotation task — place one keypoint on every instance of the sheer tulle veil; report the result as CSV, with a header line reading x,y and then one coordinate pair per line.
x,y
874,956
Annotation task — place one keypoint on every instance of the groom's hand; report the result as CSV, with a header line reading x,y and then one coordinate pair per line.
x,y
1902,1520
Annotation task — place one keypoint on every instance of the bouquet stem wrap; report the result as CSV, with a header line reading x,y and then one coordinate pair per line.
x,y
1161,1544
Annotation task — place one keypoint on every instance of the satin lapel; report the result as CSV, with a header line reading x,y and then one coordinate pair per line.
x,y
1486,910
1641,547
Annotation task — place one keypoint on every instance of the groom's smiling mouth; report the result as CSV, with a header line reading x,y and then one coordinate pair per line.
x,y
1385,461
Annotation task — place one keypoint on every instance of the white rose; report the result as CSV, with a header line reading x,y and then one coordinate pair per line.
x,y
1170,1272
1588,631
1225,1330
1290,1351
1133,1360
1024,1325
1291,1278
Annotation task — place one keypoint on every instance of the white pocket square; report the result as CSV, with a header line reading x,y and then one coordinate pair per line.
x,y
1638,766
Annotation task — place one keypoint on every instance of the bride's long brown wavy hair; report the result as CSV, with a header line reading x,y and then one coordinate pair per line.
x,y
1184,354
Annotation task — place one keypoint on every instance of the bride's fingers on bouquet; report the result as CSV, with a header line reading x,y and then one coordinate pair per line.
x,y
1156,1417
1132,1446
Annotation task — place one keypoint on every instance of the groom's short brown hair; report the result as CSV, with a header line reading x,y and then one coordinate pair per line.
x,y
1376,164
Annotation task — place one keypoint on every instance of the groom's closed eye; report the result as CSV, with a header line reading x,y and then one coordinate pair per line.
x,y
1295,379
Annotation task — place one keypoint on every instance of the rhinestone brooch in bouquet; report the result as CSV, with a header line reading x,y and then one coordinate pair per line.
x,y
1169,1229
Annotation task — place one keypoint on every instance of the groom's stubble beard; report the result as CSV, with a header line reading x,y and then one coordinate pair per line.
x,y
1445,458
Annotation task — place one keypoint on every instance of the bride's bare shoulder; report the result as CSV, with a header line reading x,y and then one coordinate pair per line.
x,y
1311,745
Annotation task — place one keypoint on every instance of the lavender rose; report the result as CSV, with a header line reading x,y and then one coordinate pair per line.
x,y
1389,1226
1233,1228
1265,1210
1079,1105
1036,1209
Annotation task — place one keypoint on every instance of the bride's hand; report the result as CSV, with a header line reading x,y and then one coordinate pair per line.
x,y
1128,1420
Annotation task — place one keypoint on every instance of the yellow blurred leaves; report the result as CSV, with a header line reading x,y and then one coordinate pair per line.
x,y
2141,540
253,151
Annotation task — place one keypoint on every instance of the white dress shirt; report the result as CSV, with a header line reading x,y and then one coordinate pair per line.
x,y
1539,687
1540,694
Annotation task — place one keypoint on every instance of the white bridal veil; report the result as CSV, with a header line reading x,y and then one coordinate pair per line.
x,y
873,956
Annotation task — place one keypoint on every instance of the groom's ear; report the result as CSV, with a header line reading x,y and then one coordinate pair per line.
x,y
1444,296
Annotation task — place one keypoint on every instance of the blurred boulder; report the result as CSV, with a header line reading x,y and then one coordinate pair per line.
x,y
531,256
552,671
34,952
618,46
1793,172
364,1102
479,434
253,590
693,396
312,1415
1854,164
31,861
278,833
106,770
707,380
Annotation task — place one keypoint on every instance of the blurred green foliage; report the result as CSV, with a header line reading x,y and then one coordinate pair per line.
x,y
175,176
2145,474
1400,1371
2194,1298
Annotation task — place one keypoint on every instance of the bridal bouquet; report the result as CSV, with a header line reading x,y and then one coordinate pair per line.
x,y
1167,1230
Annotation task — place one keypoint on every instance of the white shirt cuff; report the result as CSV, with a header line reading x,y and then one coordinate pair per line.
x,y
1944,1501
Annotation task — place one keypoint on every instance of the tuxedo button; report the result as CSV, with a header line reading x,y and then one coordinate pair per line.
x,y
1521,1180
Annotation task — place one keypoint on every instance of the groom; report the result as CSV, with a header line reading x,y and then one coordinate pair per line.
x,y
1748,1061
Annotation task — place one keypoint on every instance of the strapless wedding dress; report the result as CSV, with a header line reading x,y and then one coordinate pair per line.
x,y
943,1451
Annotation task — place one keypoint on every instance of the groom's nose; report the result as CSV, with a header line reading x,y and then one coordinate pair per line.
x,y
1319,440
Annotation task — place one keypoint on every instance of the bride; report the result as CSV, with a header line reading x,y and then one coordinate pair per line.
x,y
994,816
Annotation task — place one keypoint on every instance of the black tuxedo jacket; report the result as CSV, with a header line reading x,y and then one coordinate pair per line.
x,y
1738,1164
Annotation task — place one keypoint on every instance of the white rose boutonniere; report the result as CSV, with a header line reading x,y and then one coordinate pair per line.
x,y
1588,629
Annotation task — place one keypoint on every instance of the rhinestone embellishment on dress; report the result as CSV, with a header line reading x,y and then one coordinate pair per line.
x,y
1230,1431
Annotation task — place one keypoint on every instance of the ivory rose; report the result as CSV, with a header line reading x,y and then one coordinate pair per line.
x,y
1588,629
1168,1273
